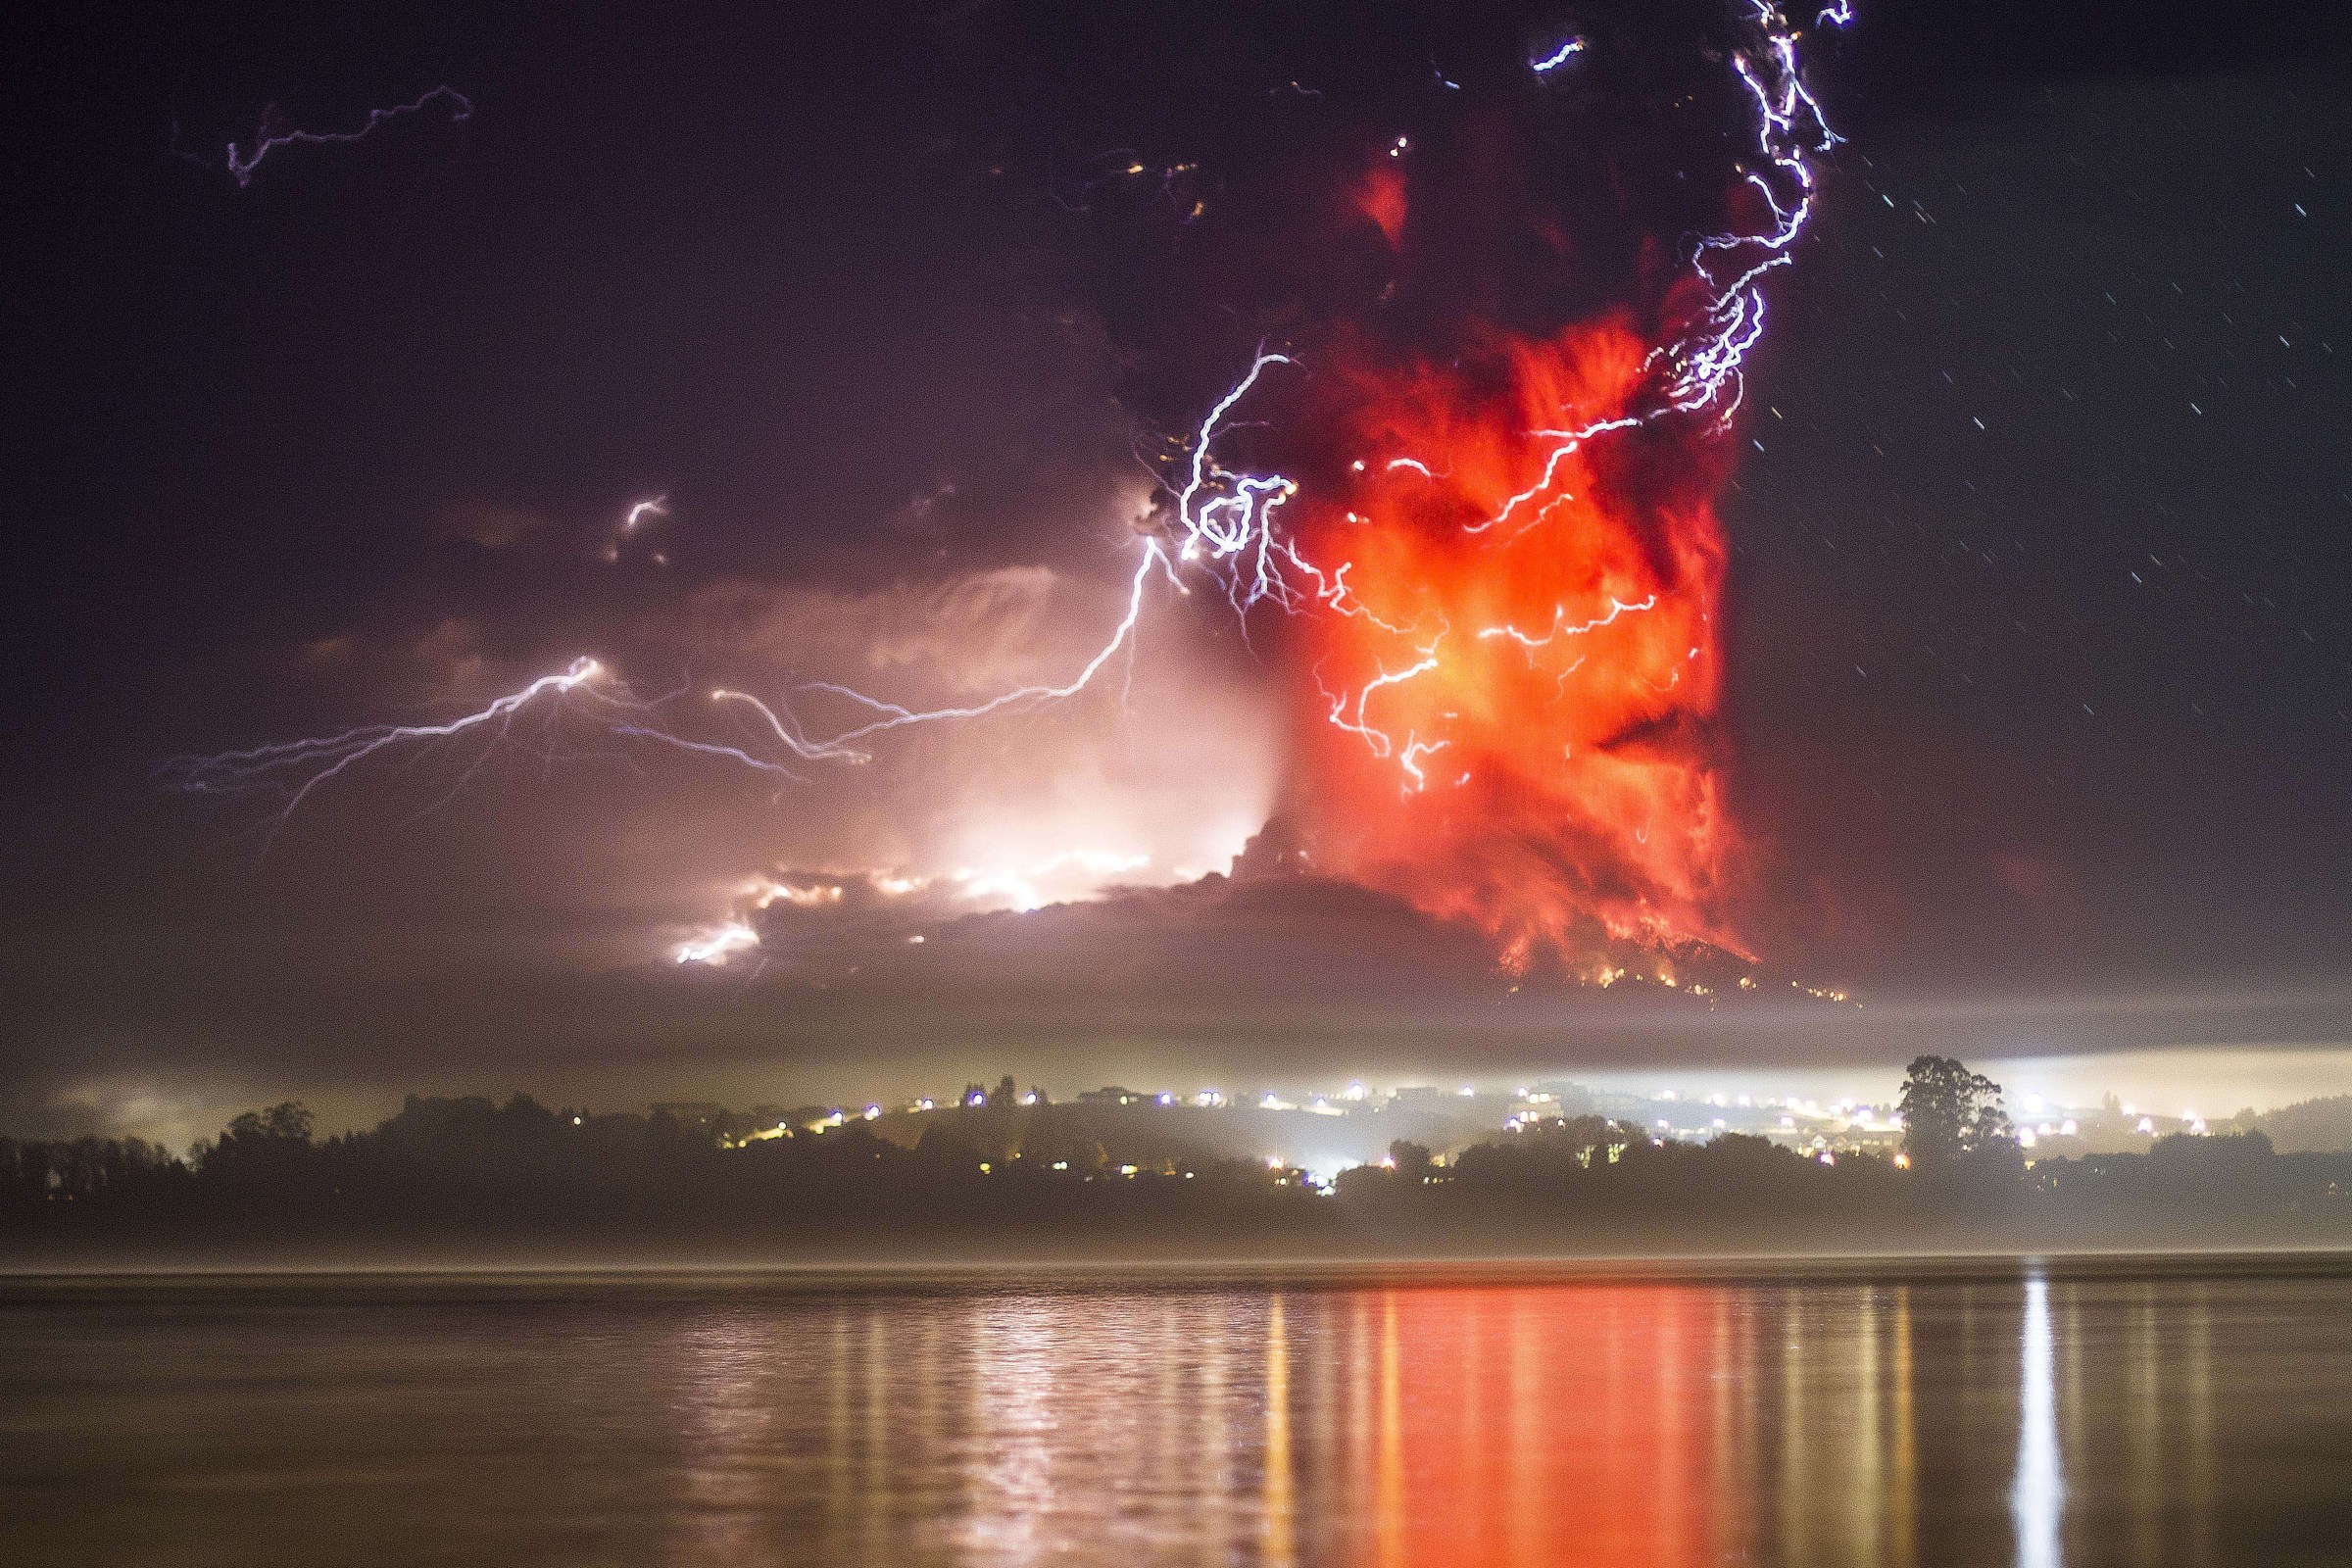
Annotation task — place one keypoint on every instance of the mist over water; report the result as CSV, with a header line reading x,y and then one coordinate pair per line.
x,y
2077,1415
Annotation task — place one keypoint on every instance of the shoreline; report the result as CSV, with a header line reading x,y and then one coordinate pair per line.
x,y
1211,1272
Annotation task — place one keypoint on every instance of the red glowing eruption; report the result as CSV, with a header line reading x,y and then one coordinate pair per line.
x,y
1515,720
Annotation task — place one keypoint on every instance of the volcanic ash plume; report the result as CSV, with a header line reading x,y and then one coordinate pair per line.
x,y
1518,727
1504,323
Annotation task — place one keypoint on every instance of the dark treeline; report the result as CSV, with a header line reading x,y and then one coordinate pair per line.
x,y
471,1167
992,1174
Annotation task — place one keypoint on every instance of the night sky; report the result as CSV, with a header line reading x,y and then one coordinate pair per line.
x,y
2036,704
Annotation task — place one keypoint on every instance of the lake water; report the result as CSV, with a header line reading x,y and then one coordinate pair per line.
x,y
2007,1414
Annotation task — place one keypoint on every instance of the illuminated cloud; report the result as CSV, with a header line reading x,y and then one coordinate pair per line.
x,y
920,641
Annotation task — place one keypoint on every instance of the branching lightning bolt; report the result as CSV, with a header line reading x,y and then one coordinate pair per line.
x,y
303,768
241,162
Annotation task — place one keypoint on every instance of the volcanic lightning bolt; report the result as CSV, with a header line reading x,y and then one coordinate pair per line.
x,y
1505,599
299,769
242,162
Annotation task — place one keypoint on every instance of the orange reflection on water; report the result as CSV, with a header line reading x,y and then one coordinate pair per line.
x,y
1522,1426
1646,1422
1652,1423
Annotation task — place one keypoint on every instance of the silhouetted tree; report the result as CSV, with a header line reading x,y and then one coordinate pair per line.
x,y
1059,1133
287,1121
1949,1112
264,1156
1576,1136
2313,1124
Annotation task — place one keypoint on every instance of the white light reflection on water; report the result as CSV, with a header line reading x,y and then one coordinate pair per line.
x,y
2040,1490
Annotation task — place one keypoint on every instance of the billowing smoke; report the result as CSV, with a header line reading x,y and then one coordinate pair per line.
x,y
1511,261
1520,731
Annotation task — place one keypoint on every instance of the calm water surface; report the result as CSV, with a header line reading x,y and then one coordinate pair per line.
x,y
2001,1415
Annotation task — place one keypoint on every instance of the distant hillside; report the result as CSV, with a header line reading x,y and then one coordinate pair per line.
x,y
2317,1126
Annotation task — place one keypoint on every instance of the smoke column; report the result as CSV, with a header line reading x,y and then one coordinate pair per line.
x,y
1520,729
1513,318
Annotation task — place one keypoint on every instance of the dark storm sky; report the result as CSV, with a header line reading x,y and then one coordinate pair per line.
x,y
2042,534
